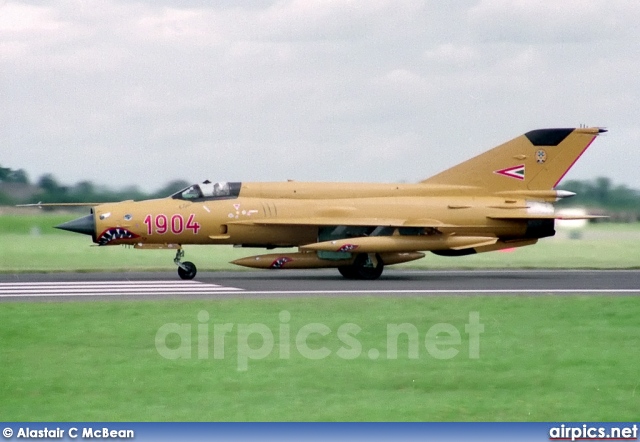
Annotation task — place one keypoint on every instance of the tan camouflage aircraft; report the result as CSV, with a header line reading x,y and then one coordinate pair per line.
x,y
499,199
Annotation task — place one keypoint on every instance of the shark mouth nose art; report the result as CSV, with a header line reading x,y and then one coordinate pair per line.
x,y
115,234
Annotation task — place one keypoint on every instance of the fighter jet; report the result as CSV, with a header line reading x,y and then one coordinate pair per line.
x,y
500,199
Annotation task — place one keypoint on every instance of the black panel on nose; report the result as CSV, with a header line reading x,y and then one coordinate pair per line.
x,y
85,225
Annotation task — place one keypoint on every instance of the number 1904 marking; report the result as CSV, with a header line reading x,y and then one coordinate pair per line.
x,y
162,224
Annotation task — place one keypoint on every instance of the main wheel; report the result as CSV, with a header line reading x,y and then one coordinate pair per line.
x,y
189,271
348,272
365,266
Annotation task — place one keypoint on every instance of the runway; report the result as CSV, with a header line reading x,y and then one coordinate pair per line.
x,y
296,283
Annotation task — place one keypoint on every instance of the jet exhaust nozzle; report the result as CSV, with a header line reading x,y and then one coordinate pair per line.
x,y
85,225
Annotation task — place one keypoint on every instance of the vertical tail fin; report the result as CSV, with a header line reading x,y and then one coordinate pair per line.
x,y
536,160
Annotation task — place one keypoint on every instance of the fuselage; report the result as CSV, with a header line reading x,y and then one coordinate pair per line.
x,y
295,213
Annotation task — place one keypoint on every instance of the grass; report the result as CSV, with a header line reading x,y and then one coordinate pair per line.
x,y
29,243
35,224
541,359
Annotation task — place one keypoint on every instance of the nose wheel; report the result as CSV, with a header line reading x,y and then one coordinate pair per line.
x,y
187,269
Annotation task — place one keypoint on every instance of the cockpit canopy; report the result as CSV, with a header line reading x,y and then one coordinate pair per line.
x,y
209,191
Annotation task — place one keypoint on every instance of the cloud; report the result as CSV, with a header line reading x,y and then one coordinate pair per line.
x,y
544,21
27,28
16,18
455,55
143,92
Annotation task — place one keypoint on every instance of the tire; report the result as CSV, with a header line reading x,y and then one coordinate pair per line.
x,y
363,268
347,271
189,272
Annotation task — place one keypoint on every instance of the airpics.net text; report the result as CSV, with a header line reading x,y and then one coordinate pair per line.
x,y
256,341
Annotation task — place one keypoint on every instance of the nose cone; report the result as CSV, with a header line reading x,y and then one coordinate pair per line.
x,y
85,225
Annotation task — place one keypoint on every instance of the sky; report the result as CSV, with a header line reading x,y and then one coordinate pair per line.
x,y
140,93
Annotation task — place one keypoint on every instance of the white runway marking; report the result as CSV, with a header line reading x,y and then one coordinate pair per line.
x,y
150,288
106,288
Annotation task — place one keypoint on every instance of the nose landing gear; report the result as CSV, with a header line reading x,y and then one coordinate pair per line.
x,y
187,269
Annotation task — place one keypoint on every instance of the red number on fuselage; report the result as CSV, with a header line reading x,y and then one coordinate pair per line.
x,y
161,224
192,225
177,225
148,220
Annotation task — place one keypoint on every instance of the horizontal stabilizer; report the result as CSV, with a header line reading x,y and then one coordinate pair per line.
x,y
547,195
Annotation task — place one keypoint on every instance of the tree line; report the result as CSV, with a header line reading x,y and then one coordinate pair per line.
x,y
619,201
601,194
16,188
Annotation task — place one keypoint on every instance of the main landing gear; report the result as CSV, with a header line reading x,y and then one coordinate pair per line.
x,y
187,269
366,266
